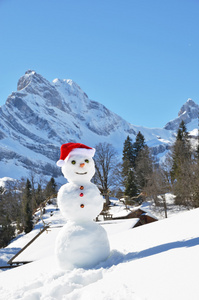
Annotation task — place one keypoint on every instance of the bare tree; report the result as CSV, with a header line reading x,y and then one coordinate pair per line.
x,y
157,186
106,162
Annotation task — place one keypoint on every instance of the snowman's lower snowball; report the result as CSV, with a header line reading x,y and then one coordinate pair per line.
x,y
81,245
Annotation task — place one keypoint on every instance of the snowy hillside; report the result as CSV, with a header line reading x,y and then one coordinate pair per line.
x,y
157,261
40,116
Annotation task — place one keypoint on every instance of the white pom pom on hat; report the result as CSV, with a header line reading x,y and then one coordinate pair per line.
x,y
76,149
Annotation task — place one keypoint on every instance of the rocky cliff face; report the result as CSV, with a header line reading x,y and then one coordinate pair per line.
x,y
40,116
188,112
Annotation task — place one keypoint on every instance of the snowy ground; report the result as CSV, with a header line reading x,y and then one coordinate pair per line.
x,y
158,211
155,261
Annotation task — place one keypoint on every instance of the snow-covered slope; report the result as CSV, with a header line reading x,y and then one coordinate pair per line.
x,y
157,261
40,116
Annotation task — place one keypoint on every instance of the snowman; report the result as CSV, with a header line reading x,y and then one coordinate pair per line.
x,y
81,243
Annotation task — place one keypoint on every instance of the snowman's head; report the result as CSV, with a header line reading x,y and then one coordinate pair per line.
x,y
76,162
78,168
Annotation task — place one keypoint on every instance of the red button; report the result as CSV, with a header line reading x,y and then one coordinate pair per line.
x,y
82,205
81,195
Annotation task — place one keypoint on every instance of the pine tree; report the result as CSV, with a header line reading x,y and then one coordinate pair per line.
x,y
2,211
195,189
138,146
195,185
127,156
182,167
130,184
181,151
27,207
51,188
143,162
128,171
39,195
7,230
143,167
137,165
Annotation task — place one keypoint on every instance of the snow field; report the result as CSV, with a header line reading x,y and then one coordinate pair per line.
x,y
155,261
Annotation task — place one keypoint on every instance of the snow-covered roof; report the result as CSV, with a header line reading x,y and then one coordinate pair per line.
x,y
146,211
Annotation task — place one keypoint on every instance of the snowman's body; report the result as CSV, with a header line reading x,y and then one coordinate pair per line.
x,y
81,242
80,202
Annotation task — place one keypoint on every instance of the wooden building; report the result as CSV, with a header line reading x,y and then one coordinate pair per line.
x,y
144,216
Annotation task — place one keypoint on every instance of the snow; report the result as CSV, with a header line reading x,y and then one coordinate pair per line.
x,y
153,136
119,210
41,246
5,181
157,261
158,211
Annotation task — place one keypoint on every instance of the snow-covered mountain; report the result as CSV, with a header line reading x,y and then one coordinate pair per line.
x,y
40,116
188,113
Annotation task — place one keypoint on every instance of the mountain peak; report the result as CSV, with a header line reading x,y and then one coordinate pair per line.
x,y
69,86
187,113
30,72
191,108
29,79
42,115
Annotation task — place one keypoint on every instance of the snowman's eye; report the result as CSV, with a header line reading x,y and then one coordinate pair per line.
x,y
87,161
73,162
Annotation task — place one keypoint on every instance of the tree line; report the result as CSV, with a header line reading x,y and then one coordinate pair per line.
x,y
18,202
139,175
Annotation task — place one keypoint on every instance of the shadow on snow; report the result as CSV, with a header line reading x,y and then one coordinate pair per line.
x,y
117,257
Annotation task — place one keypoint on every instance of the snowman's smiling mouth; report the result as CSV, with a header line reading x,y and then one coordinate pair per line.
x,y
81,173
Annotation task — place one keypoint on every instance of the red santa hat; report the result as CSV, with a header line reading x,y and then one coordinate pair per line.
x,y
75,149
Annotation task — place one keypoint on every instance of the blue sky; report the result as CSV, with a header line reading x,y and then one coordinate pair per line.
x,y
140,58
